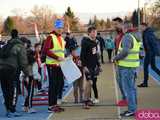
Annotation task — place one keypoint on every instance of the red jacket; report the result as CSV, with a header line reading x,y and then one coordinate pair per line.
x,y
118,39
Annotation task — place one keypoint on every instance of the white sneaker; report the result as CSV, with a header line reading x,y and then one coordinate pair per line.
x,y
95,101
31,110
59,101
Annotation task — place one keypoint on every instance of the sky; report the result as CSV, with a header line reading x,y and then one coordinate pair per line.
x,y
83,9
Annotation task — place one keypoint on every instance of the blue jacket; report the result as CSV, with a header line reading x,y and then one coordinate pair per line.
x,y
149,41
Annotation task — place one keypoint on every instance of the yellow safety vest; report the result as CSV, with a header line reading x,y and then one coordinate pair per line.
x,y
57,50
132,59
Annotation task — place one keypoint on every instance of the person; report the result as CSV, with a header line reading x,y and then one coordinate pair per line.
x,y
70,43
2,42
37,57
67,40
54,47
149,43
127,60
78,84
90,62
118,24
14,58
102,45
109,45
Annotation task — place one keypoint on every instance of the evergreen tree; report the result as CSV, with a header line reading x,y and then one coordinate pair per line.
x,y
135,18
8,25
71,21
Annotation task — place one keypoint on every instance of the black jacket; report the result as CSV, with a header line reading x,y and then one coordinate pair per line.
x,y
101,41
89,55
149,41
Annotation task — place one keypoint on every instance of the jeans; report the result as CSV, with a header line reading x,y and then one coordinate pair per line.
x,y
128,81
149,60
119,81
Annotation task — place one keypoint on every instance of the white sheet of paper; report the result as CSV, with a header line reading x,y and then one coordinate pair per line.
x,y
70,70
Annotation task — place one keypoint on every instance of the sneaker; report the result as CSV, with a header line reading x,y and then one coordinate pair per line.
x,y
127,114
55,109
62,109
95,101
122,103
31,110
86,105
90,103
142,85
13,114
25,109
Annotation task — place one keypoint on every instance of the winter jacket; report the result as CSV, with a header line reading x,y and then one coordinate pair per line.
x,y
89,55
149,41
17,58
101,42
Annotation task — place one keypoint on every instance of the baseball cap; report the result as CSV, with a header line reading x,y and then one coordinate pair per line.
x,y
58,23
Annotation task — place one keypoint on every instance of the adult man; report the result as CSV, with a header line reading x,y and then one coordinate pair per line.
x,y
12,57
89,58
53,48
149,43
118,24
102,46
127,60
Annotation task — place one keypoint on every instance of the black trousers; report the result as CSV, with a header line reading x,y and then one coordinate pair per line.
x,y
149,60
102,60
92,76
56,83
9,87
109,54
94,86
30,92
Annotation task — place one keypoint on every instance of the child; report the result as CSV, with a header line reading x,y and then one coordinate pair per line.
x,y
78,84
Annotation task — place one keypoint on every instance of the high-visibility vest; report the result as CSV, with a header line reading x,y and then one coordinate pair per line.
x,y
58,50
132,59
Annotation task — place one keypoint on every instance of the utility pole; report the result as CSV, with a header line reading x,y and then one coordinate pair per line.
x,y
139,16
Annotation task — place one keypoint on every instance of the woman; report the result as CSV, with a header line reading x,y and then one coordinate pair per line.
x,y
109,45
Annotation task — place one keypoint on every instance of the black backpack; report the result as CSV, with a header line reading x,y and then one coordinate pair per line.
x,y
5,49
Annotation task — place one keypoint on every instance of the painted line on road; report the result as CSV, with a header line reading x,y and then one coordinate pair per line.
x,y
116,90
50,116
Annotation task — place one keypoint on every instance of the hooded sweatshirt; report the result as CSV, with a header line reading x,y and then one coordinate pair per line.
x,y
89,53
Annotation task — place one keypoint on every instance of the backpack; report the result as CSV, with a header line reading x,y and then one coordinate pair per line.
x,y
5,49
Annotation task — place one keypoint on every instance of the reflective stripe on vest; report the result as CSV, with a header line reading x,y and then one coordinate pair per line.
x,y
58,50
132,59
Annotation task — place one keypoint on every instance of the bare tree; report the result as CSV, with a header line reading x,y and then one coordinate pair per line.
x,y
44,17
